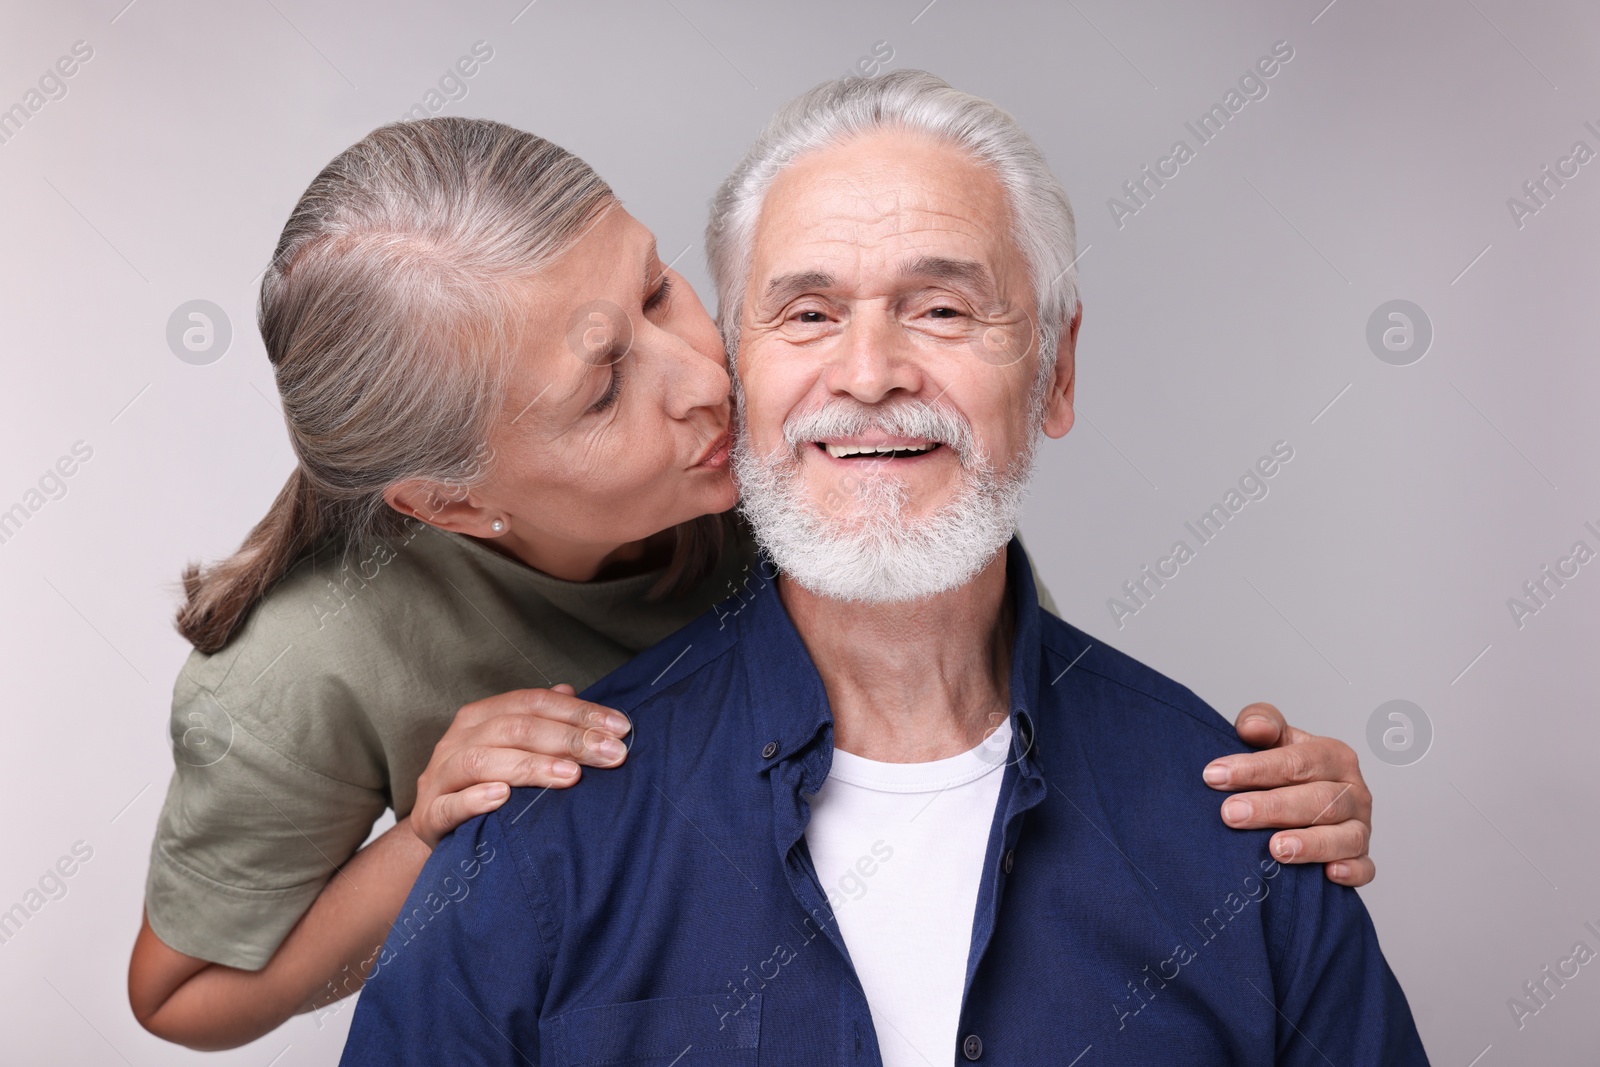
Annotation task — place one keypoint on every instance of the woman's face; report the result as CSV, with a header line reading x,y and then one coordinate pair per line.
x,y
615,424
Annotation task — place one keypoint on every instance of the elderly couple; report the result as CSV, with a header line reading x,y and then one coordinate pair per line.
x,y
880,804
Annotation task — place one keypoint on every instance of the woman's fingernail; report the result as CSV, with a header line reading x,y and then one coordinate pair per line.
x,y
1217,774
563,768
1286,847
496,791
1236,810
618,724
609,747
1339,870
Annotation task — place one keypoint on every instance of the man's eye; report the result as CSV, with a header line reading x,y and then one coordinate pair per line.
x,y
811,317
944,313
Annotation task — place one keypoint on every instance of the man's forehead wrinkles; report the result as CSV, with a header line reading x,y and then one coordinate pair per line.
x,y
885,204
838,228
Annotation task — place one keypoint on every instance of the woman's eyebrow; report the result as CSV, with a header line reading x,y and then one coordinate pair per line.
x,y
651,275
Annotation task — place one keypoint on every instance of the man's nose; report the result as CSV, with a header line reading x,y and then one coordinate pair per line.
x,y
873,359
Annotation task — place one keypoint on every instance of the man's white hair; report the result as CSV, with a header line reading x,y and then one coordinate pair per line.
x,y
835,112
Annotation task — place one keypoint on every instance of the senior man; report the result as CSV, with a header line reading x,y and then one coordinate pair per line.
x,y
881,807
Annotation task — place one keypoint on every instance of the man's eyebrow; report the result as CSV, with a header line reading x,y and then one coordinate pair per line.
x,y
785,287
968,271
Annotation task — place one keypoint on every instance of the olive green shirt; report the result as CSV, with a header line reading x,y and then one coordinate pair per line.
x,y
325,708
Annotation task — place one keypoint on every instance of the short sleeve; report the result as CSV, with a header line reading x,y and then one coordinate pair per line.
x,y
246,839
465,967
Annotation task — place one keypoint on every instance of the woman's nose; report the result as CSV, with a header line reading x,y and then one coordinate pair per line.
x,y
694,381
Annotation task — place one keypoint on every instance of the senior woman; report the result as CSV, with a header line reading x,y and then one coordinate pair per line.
x,y
511,422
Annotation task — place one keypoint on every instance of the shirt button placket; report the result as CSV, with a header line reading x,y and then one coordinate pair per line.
x,y
972,1047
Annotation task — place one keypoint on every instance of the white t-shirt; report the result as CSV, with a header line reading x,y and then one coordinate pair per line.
x,y
899,848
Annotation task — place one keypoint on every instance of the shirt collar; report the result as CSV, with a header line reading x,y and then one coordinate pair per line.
x,y
787,698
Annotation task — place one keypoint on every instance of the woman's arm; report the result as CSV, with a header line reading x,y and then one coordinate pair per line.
x,y
325,957
529,737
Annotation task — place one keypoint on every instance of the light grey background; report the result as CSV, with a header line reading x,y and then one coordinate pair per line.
x,y
1228,314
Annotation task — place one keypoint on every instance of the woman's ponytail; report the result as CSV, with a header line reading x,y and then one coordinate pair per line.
x,y
218,598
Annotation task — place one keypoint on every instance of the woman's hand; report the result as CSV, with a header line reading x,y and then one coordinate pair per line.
x,y
527,737
1310,784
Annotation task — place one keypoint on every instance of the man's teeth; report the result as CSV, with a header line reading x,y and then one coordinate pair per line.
x,y
841,451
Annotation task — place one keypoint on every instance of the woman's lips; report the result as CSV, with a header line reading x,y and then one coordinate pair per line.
x,y
716,454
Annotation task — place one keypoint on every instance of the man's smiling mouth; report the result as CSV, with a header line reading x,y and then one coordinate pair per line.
x,y
838,451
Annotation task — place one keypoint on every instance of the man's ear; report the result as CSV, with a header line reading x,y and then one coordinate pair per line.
x,y
1058,413
439,505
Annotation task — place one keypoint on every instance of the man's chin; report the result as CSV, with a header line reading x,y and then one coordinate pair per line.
x,y
880,554
853,498
842,525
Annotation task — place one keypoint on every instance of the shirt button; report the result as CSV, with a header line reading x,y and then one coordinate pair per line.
x,y
972,1047
769,750
1011,855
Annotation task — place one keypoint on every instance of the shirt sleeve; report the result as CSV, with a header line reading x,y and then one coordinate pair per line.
x,y
465,967
246,838
1336,997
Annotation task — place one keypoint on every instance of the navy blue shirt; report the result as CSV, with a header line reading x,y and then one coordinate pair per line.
x,y
668,912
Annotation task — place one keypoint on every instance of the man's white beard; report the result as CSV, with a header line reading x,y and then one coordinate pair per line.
x,y
871,549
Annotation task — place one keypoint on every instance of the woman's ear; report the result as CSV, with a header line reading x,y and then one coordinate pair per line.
x,y
441,506
1058,413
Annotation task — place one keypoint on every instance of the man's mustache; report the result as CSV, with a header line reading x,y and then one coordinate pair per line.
x,y
935,421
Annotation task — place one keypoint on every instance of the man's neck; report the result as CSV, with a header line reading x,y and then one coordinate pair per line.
x,y
912,681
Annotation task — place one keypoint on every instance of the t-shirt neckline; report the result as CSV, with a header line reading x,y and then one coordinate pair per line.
x,y
988,755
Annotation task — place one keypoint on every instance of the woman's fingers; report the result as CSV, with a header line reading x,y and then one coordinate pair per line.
x,y
1293,806
1311,759
1311,785
1260,725
1326,827
526,737
561,705
558,704
517,767
444,813
1353,873
594,747
448,807
1320,844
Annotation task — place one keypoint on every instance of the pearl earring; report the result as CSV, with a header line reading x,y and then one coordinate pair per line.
x,y
498,526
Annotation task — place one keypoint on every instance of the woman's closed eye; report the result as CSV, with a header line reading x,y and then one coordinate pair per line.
x,y
609,397
615,360
658,299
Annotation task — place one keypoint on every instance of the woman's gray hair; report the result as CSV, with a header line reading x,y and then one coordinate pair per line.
x,y
915,100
